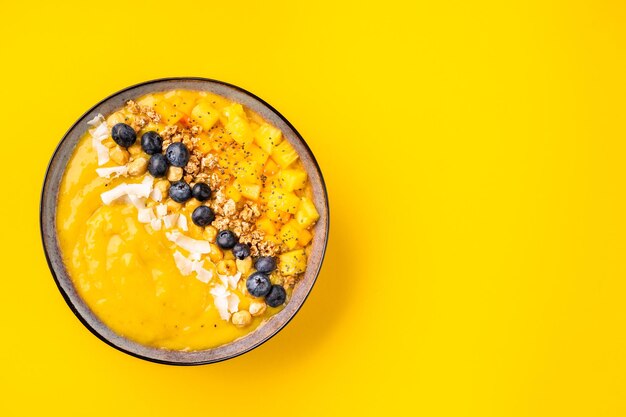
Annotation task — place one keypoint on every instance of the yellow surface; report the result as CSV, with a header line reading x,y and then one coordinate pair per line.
x,y
474,153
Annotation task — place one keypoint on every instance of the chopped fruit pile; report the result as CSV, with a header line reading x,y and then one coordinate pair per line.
x,y
221,185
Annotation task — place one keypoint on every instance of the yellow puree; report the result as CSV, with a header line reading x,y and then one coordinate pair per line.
x,y
127,274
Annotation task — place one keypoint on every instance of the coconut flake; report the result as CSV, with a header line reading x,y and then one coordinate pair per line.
x,y
221,303
182,223
230,281
142,189
170,220
138,202
156,195
114,171
101,151
146,215
204,275
184,265
100,133
156,224
225,301
220,299
188,265
110,196
134,192
99,119
161,210
233,303
189,244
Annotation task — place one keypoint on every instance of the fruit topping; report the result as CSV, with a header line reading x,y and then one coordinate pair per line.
x,y
258,284
151,143
123,135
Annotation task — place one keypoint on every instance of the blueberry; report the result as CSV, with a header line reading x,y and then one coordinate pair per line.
x,y
258,284
177,154
226,239
201,191
151,143
202,216
123,135
265,264
276,296
157,166
180,191
241,251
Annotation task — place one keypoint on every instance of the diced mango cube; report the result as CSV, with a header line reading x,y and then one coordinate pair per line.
x,y
233,192
273,239
148,100
278,215
304,237
267,136
284,154
256,154
205,115
181,103
284,201
307,213
292,263
266,225
248,172
289,234
271,168
292,179
168,112
237,124
251,191
204,145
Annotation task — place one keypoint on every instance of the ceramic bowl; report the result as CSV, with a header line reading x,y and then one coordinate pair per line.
x,y
48,214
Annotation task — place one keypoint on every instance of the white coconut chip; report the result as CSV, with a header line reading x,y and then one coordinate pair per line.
x,y
146,215
221,303
182,223
101,151
233,303
112,171
133,191
156,224
98,133
188,265
230,281
170,220
99,119
161,210
204,275
225,301
138,202
184,265
113,194
156,195
189,244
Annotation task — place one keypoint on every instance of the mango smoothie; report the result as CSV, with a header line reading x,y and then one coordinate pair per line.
x,y
184,220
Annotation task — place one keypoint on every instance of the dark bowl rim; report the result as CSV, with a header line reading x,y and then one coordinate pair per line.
x,y
66,296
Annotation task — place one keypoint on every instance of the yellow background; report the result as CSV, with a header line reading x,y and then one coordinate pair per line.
x,y
474,154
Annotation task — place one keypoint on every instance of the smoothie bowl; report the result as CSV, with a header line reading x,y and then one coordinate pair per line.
x,y
184,220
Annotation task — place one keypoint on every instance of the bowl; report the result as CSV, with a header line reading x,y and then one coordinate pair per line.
x,y
48,214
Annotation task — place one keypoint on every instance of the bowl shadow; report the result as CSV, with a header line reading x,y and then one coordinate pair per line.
x,y
321,313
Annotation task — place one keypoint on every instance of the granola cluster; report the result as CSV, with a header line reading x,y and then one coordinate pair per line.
x,y
242,223
143,115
